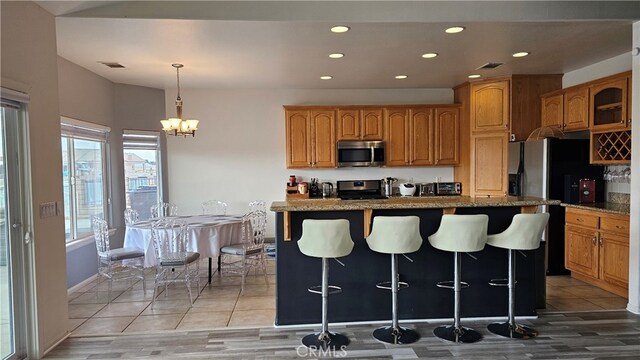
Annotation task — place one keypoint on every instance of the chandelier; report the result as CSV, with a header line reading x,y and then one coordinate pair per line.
x,y
176,126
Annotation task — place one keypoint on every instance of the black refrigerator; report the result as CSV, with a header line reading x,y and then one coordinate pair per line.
x,y
551,169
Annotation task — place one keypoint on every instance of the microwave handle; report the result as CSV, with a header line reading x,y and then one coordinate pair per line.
x,y
372,156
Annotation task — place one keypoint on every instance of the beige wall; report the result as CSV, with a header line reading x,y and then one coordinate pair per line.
x,y
29,64
238,155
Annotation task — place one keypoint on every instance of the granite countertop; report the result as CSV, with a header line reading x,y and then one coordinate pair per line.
x,y
431,202
607,207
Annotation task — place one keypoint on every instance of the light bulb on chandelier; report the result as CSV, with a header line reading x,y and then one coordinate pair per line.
x,y
176,126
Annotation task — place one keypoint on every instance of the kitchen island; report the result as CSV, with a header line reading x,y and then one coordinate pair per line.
x,y
360,300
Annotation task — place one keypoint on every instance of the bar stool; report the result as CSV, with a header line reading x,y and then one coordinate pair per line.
x,y
457,234
395,235
524,233
325,239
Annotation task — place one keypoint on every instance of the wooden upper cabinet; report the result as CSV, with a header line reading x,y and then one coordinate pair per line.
x,y
421,132
359,124
576,109
298,138
396,124
348,125
552,110
323,139
371,124
447,136
490,106
489,168
608,104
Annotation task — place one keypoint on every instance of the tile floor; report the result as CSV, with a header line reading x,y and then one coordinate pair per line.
x,y
220,305
130,308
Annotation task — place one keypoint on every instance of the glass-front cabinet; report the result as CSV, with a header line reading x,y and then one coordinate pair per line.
x,y
609,104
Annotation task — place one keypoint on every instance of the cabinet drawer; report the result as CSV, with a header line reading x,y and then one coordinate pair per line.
x,y
582,219
614,225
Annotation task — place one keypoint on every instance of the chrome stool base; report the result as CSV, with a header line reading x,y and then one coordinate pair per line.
x,y
326,340
458,335
516,331
398,335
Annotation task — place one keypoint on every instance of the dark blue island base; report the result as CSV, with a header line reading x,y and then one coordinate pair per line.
x,y
360,300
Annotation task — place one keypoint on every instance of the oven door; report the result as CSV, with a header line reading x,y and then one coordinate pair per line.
x,y
360,153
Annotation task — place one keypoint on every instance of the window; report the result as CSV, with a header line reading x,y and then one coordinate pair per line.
x,y
141,170
84,176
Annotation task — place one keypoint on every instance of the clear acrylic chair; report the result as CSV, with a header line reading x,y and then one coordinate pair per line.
x,y
214,207
249,254
131,216
258,205
163,209
174,263
115,264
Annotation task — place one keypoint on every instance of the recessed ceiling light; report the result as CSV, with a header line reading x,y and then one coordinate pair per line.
x,y
520,54
326,77
474,76
454,29
429,55
336,55
340,29
400,77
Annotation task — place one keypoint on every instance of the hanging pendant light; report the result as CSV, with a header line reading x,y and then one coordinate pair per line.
x,y
177,126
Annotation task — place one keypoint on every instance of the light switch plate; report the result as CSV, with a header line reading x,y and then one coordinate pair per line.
x,y
47,209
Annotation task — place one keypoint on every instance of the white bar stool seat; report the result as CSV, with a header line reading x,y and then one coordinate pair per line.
x,y
457,234
524,233
325,239
395,235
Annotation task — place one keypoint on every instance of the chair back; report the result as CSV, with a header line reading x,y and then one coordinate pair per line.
x,y
101,235
395,234
325,238
254,226
214,207
258,205
131,216
169,238
461,233
524,233
164,209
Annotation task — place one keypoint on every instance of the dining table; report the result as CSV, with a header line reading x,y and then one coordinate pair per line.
x,y
206,235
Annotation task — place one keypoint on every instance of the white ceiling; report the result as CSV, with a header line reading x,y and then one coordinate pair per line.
x,y
279,45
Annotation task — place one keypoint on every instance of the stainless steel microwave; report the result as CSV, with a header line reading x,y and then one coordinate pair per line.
x,y
360,153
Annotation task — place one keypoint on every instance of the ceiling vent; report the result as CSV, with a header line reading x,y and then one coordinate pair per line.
x,y
113,65
490,66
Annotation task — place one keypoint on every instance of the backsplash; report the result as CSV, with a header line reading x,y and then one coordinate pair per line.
x,y
619,198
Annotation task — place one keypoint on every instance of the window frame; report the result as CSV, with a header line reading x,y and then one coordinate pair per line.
x,y
72,130
143,140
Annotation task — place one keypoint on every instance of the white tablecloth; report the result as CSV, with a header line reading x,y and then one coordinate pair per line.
x,y
206,234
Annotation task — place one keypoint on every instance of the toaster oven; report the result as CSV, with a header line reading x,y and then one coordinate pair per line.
x,y
448,188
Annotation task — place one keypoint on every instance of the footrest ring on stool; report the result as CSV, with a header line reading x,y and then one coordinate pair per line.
x,y
387,285
500,282
318,289
450,284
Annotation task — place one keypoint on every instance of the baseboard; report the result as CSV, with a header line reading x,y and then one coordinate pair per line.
x,y
633,309
56,344
81,284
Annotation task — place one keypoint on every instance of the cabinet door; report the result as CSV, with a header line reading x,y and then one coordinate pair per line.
x,y
421,132
298,139
614,259
576,109
447,135
608,105
490,106
489,164
348,124
581,250
371,124
552,110
323,139
396,134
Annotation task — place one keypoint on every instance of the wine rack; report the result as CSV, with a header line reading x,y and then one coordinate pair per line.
x,y
613,147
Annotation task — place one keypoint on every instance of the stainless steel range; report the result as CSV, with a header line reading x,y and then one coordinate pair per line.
x,y
360,189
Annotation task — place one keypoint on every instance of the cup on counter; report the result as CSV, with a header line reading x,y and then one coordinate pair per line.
x,y
302,188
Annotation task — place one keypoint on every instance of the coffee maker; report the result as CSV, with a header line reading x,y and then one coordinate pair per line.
x,y
587,191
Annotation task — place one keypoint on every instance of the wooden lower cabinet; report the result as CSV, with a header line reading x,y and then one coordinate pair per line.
x,y
597,251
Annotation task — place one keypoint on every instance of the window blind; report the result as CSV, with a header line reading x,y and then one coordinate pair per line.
x,y
10,94
139,139
83,130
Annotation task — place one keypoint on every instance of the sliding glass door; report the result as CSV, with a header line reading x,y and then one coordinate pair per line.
x,y
12,311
